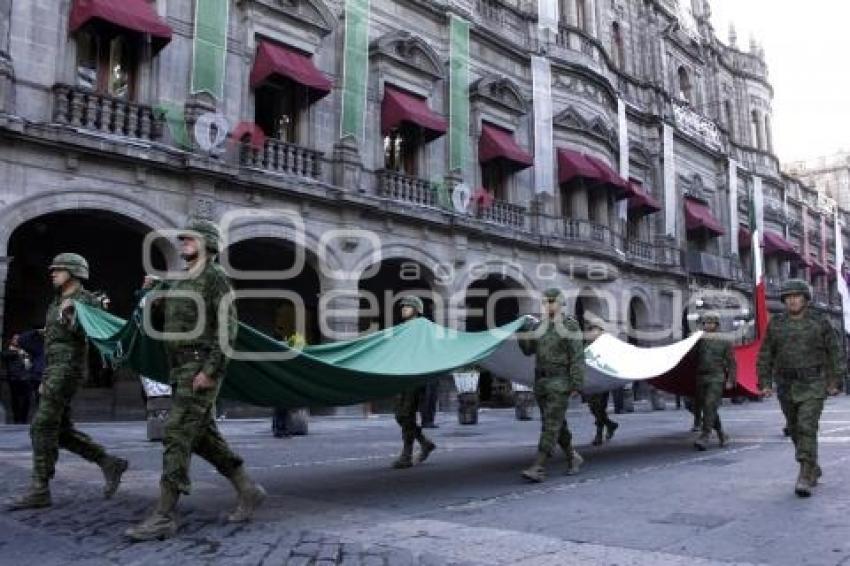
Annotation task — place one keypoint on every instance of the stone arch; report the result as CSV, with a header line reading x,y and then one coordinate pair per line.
x,y
409,50
13,216
501,92
495,267
399,251
637,315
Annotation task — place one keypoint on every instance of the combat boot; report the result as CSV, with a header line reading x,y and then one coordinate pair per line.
x,y
574,463
701,443
162,523
537,471
815,474
426,446
405,459
251,495
612,427
113,468
722,438
597,440
803,487
36,497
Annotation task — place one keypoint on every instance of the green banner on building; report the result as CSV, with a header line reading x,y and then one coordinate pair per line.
x,y
355,68
209,49
458,93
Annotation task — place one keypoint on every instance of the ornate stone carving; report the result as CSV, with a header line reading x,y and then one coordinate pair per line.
x,y
312,13
409,50
697,126
500,91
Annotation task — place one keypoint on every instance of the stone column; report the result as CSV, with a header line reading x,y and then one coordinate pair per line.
x,y
347,164
590,8
4,273
569,13
339,320
601,210
579,209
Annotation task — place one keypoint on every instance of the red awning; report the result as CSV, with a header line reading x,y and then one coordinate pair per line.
x,y
574,165
816,267
641,202
699,217
611,178
774,244
136,16
400,106
498,143
745,238
278,60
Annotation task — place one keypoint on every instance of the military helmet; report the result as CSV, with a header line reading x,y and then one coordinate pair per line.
x,y
592,321
74,264
710,316
554,293
795,286
414,302
207,230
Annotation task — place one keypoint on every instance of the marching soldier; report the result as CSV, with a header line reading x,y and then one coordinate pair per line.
x,y
598,402
559,374
66,352
801,356
715,368
198,365
407,403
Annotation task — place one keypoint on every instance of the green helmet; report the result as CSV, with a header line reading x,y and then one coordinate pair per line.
x,y
207,230
711,316
414,302
554,293
592,321
796,286
74,264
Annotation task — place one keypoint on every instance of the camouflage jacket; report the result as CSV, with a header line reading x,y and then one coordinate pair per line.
x,y
559,352
807,342
715,360
180,314
64,341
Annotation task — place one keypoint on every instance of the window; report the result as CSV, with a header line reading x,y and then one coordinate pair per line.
x,y
617,51
685,90
494,178
581,15
276,110
401,146
755,130
106,64
729,118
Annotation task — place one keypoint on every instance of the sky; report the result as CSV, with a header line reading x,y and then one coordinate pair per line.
x,y
807,47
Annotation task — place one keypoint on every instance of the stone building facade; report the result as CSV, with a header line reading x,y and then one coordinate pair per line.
x,y
676,124
828,175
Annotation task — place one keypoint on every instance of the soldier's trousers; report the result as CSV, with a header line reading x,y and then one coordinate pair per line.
x,y
598,405
406,407
553,410
803,420
52,428
190,428
709,397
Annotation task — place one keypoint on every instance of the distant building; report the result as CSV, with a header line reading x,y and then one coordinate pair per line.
x,y
829,175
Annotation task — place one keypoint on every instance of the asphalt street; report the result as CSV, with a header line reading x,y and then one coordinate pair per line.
x,y
645,498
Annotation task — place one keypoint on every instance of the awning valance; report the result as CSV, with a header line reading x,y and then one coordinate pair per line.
x,y
699,217
399,106
611,178
135,16
776,245
278,60
745,238
498,143
641,202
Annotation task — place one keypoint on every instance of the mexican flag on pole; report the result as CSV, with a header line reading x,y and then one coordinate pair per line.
x,y
759,290
840,274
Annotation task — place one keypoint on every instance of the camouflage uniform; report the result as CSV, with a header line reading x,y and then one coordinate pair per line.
x,y
559,370
406,407
190,426
802,357
598,402
715,367
66,354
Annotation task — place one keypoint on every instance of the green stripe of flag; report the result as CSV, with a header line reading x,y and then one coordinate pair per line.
x,y
210,47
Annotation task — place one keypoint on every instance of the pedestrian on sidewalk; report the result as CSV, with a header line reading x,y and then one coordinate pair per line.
x,y
197,368
15,363
558,375
716,370
66,348
800,355
408,403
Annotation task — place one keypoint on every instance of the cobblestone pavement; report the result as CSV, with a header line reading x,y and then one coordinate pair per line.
x,y
646,498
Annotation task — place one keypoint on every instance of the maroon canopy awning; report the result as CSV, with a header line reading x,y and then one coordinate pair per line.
x,y
699,217
498,143
745,238
641,202
275,60
134,16
611,178
774,244
574,165
816,267
400,106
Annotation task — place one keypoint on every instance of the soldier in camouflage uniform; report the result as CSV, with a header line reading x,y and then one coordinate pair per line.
x,y
559,374
801,355
716,368
407,404
598,402
66,352
198,366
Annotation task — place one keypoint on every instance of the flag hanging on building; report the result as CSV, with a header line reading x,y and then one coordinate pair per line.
x,y
209,47
458,93
544,161
355,68
841,274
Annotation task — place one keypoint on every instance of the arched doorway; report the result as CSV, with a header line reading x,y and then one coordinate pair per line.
x,y
113,246
588,302
383,285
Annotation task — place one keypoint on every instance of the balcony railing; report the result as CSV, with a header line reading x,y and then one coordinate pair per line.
x,y
641,251
282,157
588,231
704,263
404,188
98,112
504,213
